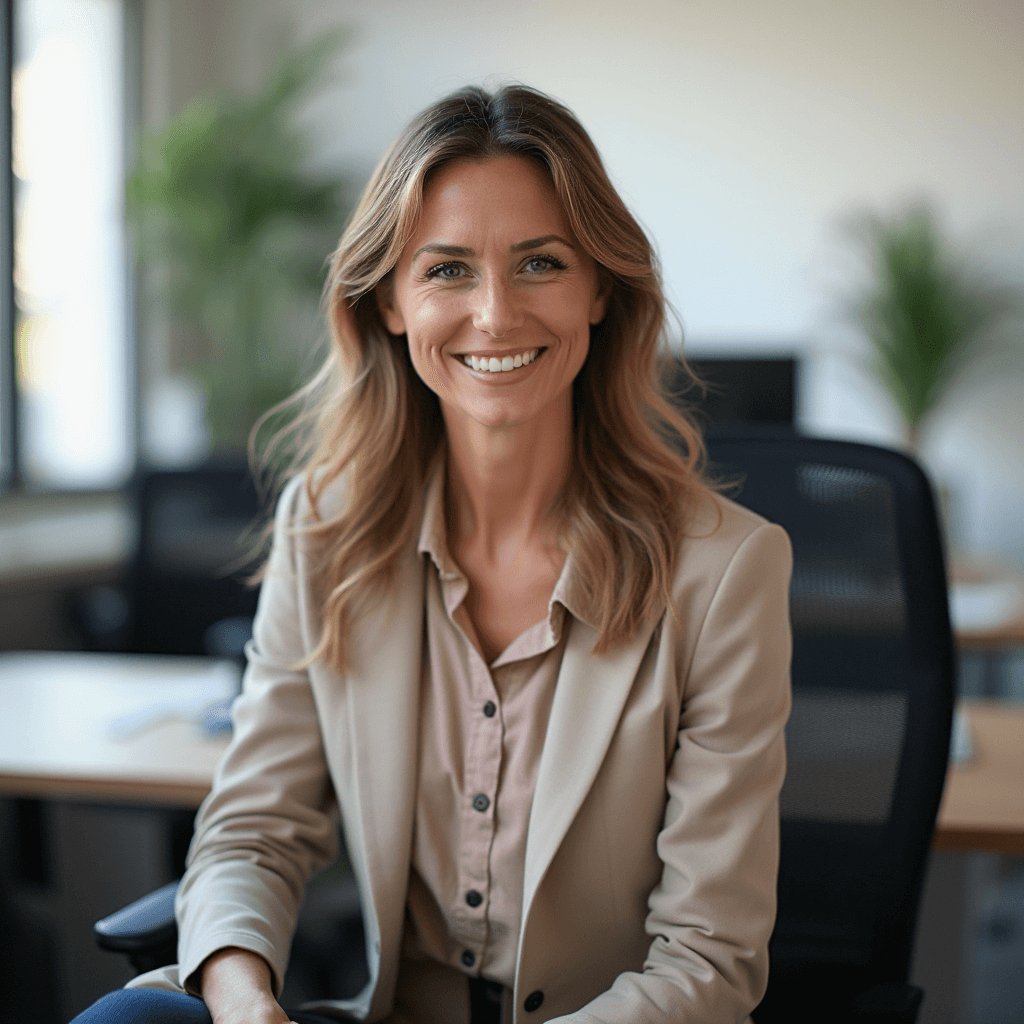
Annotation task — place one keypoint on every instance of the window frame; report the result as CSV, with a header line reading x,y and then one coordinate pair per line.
x,y
12,480
10,475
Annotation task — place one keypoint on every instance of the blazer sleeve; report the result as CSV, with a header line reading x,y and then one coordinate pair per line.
x,y
269,821
712,912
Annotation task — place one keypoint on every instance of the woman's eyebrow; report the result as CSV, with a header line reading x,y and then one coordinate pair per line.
x,y
536,243
440,249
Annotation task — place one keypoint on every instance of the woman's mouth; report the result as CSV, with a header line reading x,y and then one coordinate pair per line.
x,y
494,364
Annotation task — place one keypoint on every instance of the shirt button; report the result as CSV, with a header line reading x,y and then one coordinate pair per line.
x,y
469,959
489,708
481,802
533,1001
473,898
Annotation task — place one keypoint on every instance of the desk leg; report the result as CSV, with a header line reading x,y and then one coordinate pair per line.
x,y
997,985
96,859
981,673
945,927
993,673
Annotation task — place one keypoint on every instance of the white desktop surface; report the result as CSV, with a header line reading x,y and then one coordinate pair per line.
x,y
102,727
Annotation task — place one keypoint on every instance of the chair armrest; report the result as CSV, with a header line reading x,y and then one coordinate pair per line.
x,y
805,997
891,1003
143,927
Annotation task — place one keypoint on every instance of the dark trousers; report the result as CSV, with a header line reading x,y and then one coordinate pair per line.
x,y
157,1006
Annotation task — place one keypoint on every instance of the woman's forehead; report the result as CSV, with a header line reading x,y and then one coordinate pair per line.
x,y
503,194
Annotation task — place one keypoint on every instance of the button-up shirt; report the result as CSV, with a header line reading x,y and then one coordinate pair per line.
x,y
482,729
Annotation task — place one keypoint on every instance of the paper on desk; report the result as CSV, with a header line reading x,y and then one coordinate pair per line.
x,y
961,746
976,607
161,700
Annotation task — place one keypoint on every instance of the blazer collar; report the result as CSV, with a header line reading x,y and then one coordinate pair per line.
x,y
589,698
383,705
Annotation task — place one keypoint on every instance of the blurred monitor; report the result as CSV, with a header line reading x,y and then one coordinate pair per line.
x,y
738,391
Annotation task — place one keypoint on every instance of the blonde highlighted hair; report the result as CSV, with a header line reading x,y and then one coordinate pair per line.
x,y
371,420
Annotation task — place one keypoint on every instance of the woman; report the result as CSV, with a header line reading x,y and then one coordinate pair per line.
x,y
540,667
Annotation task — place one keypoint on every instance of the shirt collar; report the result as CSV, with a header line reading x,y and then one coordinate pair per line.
x,y
433,541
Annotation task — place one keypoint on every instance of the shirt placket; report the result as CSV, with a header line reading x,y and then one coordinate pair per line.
x,y
479,799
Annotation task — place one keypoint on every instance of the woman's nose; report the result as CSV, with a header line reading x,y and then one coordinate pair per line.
x,y
497,310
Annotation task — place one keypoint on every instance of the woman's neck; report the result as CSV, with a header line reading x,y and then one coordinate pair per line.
x,y
502,482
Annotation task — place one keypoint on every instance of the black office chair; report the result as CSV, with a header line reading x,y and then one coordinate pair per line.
x,y
188,593
327,958
868,739
185,591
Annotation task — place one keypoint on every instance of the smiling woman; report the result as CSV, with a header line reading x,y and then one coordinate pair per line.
x,y
575,266
506,629
498,331
513,285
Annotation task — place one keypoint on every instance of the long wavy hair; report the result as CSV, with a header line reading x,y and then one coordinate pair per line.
x,y
636,472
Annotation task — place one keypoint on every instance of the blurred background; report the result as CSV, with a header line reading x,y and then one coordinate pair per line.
x,y
812,174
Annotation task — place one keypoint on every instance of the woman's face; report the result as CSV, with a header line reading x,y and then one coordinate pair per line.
x,y
495,294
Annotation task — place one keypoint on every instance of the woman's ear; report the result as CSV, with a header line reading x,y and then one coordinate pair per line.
x,y
389,311
599,305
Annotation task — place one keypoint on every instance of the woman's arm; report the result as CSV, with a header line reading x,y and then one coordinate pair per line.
x,y
712,912
269,821
236,987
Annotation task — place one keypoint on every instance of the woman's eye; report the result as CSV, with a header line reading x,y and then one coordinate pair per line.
x,y
543,264
446,271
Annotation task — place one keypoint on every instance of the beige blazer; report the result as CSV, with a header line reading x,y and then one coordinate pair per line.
x,y
652,851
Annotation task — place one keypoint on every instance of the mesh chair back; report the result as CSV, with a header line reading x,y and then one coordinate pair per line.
x,y
873,680
190,561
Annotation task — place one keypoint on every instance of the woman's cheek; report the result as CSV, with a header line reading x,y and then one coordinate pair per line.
x,y
435,326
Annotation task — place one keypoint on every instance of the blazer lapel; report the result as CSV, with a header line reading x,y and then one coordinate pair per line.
x,y
589,697
383,697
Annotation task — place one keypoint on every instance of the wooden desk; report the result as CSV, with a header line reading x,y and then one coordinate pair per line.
x,y
995,640
1005,596
55,743
77,538
56,714
983,803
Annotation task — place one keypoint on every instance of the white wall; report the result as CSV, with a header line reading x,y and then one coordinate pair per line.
x,y
740,132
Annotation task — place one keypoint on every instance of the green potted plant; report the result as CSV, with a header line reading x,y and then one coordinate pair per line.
x,y
233,230
927,313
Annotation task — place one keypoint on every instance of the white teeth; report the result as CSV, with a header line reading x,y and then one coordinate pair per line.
x,y
494,365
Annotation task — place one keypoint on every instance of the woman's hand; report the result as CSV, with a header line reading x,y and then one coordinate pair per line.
x,y
237,989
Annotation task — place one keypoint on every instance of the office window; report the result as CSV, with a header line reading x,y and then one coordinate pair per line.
x,y
72,388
